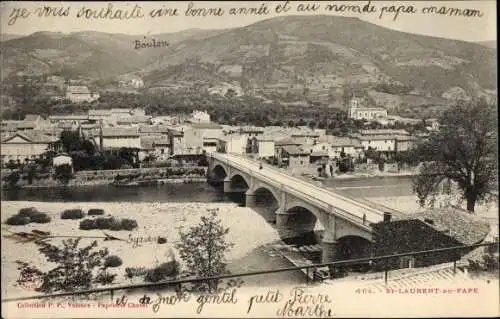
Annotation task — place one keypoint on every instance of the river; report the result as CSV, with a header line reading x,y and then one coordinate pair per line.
x,y
196,192
261,258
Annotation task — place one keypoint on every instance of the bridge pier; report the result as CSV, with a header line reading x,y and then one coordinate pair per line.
x,y
329,251
250,199
227,185
282,218
329,242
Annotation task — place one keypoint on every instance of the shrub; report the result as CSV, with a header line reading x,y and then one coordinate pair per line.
x,y
104,278
112,261
103,222
95,211
164,270
131,272
40,218
162,240
72,214
17,220
88,224
115,224
63,173
128,224
28,212
78,271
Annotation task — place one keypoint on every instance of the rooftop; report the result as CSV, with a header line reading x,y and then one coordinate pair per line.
x,y
148,142
295,150
117,132
319,154
32,117
134,119
461,224
160,129
205,126
384,132
100,112
340,141
69,117
33,137
287,141
78,90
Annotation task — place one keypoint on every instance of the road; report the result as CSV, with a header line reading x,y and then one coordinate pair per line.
x,y
313,194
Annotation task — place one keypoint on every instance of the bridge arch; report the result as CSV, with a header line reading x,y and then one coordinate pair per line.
x,y
266,203
353,247
219,172
292,204
239,183
297,221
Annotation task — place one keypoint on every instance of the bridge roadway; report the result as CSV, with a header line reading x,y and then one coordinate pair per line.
x,y
336,201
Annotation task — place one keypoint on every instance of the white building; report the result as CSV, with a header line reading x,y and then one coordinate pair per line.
x,y
80,94
200,117
62,159
22,146
232,143
366,113
381,143
114,137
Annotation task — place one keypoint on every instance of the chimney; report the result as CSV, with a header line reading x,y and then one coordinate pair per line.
x,y
429,221
387,217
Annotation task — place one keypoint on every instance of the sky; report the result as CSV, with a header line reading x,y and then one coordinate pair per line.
x,y
453,27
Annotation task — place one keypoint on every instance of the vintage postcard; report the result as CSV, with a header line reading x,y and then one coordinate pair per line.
x,y
276,159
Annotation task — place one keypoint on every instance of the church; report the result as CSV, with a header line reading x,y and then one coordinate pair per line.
x,y
365,113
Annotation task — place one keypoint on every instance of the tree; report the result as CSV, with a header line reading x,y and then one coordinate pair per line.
x,y
12,179
63,173
203,249
464,151
75,267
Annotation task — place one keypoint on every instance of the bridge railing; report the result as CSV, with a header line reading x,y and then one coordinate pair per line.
x,y
315,201
319,189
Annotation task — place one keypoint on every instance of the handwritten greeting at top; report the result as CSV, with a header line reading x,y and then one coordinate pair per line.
x,y
124,11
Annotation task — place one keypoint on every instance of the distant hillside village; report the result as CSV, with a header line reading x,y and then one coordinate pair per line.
x,y
160,138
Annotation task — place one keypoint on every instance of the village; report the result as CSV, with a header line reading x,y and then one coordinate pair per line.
x,y
301,150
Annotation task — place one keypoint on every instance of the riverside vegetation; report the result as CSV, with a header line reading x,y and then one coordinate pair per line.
x,y
77,268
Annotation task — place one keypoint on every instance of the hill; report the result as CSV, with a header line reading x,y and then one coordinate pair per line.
x,y
490,44
86,54
9,36
324,52
298,57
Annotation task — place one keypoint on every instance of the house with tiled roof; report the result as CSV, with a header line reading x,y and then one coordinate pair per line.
x,y
117,137
232,143
9,125
150,130
24,145
81,93
134,120
292,156
156,145
433,228
201,137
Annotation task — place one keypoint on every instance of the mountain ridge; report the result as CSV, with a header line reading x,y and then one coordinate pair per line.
x,y
317,54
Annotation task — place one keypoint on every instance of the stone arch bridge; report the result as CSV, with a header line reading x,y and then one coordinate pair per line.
x,y
296,205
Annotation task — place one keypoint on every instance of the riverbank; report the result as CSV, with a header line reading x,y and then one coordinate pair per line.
x,y
120,177
154,219
373,175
